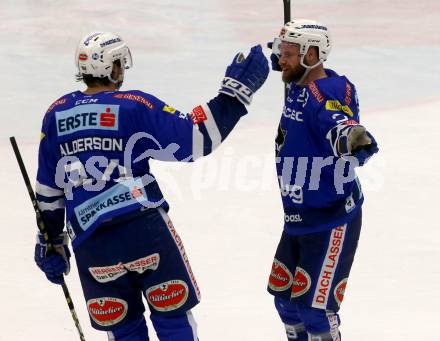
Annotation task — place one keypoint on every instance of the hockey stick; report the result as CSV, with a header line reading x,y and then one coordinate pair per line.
x,y
43,230
287,11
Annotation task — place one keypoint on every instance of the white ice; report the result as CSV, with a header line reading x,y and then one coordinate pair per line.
x,y
227,207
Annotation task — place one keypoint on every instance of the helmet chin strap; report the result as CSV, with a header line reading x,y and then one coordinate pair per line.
x,y
308,68
303,77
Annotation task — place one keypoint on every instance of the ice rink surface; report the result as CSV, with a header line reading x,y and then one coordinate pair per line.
x,y
227,207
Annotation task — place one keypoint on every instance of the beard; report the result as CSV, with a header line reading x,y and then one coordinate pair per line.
x,y
293,75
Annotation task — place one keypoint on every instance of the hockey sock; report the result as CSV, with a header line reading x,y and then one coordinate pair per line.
x,y
288,312
322,325
175,328
325,337
133,331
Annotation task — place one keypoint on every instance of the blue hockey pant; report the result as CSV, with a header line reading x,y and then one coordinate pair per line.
x,y
308,279
133,257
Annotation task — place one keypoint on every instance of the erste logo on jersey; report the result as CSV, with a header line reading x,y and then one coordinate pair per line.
x,y
89,116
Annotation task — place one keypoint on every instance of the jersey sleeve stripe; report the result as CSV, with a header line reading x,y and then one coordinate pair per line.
x,y
47,191
197,150
211,127
51,206
334,135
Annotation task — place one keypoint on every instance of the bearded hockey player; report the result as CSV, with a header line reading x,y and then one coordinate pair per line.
x,y
93,168
320,141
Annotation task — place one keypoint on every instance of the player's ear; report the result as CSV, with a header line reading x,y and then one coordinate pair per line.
x,y
116,69
312,55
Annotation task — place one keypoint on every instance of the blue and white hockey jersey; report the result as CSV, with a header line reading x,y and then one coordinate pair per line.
x,y
94,153
319,188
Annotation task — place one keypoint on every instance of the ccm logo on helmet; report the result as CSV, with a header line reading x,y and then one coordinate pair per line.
x,y
90,116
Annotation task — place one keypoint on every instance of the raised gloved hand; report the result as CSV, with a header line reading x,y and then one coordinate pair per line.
x,y
358,142
56,262
245,75
275,55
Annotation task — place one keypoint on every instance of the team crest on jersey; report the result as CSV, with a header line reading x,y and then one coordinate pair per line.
x,y
85,117
303,97
301,282
280,139
107,311
280,277
168,296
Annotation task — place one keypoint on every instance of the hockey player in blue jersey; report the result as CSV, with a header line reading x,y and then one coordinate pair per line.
x,y
320,141
93,171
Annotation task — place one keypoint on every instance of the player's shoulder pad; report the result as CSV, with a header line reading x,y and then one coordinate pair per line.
x,y
147,100
335,93
138,97
59,105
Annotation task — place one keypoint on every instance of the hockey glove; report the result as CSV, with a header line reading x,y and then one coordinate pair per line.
x,y
245,75
364,152
55,263
358,142
275,55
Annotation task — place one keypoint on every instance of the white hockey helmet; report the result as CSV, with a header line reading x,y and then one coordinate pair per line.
x,y
96,53
307,33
